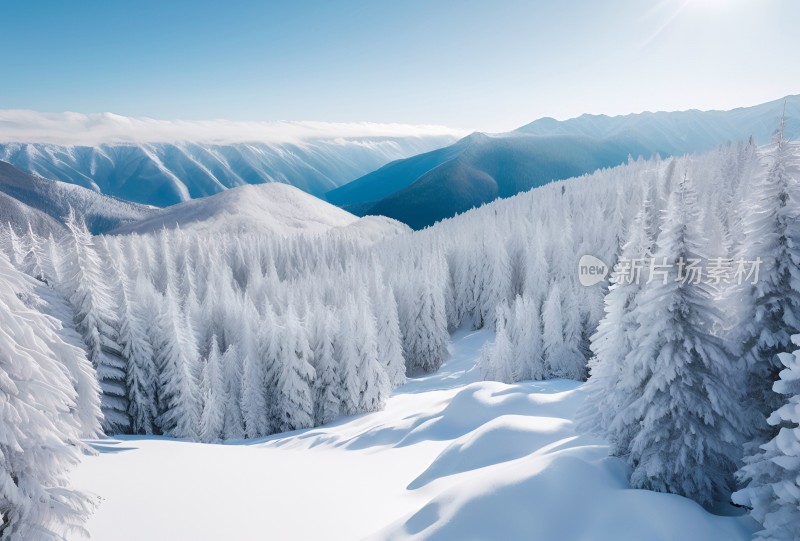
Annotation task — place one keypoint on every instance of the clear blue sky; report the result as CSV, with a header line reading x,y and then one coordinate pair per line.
x,y
475,64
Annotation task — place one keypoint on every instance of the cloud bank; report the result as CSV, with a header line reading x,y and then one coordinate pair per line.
x,y
23,126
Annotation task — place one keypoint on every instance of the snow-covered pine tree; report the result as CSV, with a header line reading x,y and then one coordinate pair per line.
x,y
425,335
770,308
495,279
612,343
257,358
33,255
294,404
561,355
91,300
347,352
327,400
13,246
500,361
773,473
685,418
179,404
525,329
212,421
52,262
135,309
232,387
375,386
40,437
389,342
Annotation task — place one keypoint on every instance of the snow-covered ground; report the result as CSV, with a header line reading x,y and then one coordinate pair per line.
x,y
450,457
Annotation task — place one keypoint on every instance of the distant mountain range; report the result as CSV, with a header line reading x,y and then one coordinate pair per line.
x,y
159,163
271,209
54,199
480,168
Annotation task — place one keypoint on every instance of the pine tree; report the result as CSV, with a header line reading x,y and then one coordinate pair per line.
x,y
425,335
327,400
33,255
179,403
770,310
257,356
613,341
773,473
525,328
495,280
294,401
562,358
40,437
232,387
684,416
389,343
212,421
91,301
13,246
375,386
499,366
137,307
347,352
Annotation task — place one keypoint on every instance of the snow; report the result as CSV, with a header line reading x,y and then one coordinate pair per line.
x,y
264,208
450,457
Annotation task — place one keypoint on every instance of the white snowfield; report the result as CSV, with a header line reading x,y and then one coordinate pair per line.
x,y
450,458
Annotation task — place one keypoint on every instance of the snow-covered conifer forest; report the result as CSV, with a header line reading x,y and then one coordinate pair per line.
x,y
228,337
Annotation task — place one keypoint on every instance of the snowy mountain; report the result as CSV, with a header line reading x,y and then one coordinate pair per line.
x,y
265,208
19,215
480,168
54,198
162,163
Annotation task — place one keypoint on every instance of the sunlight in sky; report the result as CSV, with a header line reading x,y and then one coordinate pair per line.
x,y
475,64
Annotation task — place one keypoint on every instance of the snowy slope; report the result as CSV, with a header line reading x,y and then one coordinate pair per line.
x,y
55,198
449,458
371,229
165,162
264,208
19,215
423,189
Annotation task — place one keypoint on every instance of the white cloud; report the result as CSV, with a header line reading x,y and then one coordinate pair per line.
x,y
23,126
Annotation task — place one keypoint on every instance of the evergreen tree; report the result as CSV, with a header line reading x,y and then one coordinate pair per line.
x,y
257,355
389,342
91,300
685,390
525,329
294,407
212,421
137,308
612,343
562,358
499,362
770,309
179,403
326,385
232,387
773,473
40,437
33,255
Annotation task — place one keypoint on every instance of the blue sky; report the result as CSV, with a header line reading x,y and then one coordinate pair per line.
x,y
474,64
